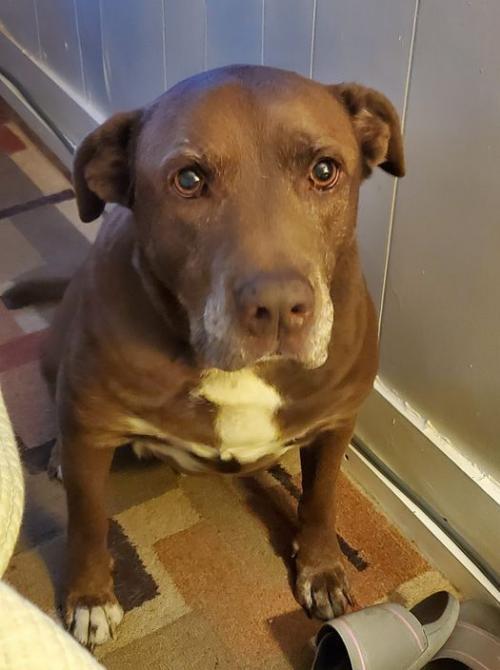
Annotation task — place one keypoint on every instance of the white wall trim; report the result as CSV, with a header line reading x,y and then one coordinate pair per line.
x,y
34,121
8,46
486,482
455,493
62,105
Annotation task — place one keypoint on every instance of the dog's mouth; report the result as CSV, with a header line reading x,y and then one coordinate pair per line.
x,y
242,358
221,358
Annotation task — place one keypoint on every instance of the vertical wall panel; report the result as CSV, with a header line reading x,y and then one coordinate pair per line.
x,y
234,32
369,42
89,24
287,34
185,24
19,18
133,51
441,320
59,41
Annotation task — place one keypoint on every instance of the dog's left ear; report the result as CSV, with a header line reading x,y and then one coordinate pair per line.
x,y
103,166
377,127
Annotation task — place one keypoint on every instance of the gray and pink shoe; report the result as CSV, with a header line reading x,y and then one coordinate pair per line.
x,y
475,642
390,637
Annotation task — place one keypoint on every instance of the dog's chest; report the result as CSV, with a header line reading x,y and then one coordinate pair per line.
x,y
246,407
245,426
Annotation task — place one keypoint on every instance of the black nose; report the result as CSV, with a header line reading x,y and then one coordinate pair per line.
x,y
269,305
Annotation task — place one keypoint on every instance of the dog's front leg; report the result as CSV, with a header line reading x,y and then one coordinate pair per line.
x,y
321,586
92,611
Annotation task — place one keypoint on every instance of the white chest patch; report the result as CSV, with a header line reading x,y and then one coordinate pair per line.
x,y
246,414
245,424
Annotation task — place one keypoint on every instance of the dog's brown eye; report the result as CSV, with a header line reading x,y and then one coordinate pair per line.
x,y
324,174
188,182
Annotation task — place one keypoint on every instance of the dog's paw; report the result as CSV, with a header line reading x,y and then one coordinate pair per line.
x,y
94,624
323,592
54,468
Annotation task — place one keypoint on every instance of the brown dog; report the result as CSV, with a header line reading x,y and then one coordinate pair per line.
x,y
222,316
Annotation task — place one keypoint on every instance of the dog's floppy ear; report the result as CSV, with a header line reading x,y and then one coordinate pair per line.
x,y
103,165
377,127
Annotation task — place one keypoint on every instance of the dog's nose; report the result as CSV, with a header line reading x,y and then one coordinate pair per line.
x,y
271,305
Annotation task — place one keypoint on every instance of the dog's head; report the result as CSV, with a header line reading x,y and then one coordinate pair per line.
x,y
244,186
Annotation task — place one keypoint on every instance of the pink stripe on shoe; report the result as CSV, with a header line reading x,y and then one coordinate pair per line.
x,y
478,631
408,625
355,642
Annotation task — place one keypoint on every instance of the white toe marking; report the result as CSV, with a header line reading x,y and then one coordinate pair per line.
x,y
81,619
114,613
97,624
307,593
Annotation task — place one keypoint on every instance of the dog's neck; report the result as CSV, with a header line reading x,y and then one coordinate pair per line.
x,y
162,300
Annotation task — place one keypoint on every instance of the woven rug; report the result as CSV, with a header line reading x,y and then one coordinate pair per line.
x,y
203,563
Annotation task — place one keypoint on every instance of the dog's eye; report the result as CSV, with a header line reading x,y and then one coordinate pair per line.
x,y
188,182
324,174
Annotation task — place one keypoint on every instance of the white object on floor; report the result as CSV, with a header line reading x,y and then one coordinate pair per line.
x,y
29,639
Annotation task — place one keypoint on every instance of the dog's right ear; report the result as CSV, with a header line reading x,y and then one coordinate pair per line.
x,y
103,166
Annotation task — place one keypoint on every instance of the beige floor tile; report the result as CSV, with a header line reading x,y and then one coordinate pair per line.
x,y
188,644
